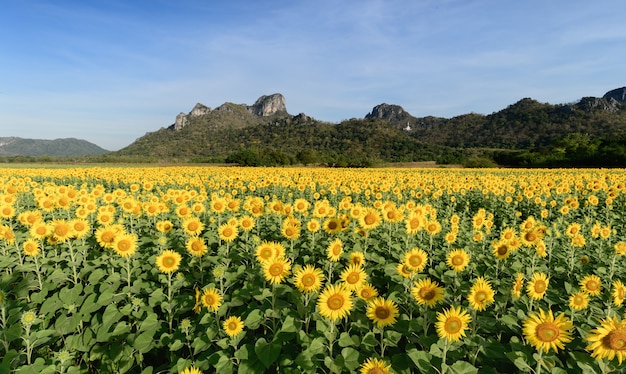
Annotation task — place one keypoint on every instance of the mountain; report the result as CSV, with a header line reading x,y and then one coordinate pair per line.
x,y
13,146
265,133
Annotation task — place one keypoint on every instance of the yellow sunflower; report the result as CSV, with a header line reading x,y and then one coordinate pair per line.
x,y
265,251
227,232
370,219
334,250
537,285
31,247
357,258
313,225
233,326
501,249
518,284
164,226
416,259
414,223
195,246
80,227
168,261
246,223
193,226
366,291
105,236
276,270
452,323
481,294
335,302
375,366
382,312
191,370
618,293
353,276
332,225
61,230
125,244
212,299
608,340
579,300
308,279
544,332
427,292
458,259
591,284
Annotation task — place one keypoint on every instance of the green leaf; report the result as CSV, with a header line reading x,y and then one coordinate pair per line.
x,y
463,367
350,358
509,321
290,324
370,340
421,359
318,345
267,352
176,345
143,342
345,340
151,322
121,328
254,319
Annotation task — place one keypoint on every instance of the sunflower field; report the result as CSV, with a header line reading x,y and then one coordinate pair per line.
x,y
291,270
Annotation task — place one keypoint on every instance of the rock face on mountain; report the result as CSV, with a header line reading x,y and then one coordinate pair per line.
x,y
268,105
395,114
618,94
589,104
265,105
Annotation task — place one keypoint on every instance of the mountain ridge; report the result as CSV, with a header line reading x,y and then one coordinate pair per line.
x,y
61,147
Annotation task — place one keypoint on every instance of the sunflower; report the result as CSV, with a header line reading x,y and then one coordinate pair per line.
x,y
196,246
308,279
353,276
212,299
452,323
370,219
332,225
414,223
105,236
375,366
80,227
40,230
537,285
433,227
382,312
193,226
544,332
246,223
501,249
168,261
313,225
426,292
290,230
619,290
579,300
276,270
366,291
357,258
233,326
164,226
335,302
227,232
191,370
31,247
620,248
404,271
608,340
334,250
416,259
265,251
516,289
481,294
61,230
125,244
578,241
591,284
458,259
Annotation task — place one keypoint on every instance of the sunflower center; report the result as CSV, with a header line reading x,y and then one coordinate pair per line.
x,y
481,296
335,302
209,300
353,278
453,325
502,250
615,340
123,245
196,246
336,250
382,312
370,219
427,293
415,223
107,237
193,226
375,371
227,232
540,286
276,269
547,332
308,280
415,260
332,225
232,325
592,285
266,253
530,236
169,261
457,260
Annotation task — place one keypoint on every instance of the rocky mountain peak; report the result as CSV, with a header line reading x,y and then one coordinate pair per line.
x,y
618,94
268,105
199,110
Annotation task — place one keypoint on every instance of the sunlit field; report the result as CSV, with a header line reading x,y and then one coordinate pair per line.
x,y
292,270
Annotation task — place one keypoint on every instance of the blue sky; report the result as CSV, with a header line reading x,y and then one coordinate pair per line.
x,y
110,71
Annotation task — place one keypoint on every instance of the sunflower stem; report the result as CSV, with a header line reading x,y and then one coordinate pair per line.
x,y
169,300
38,270
73,259
128,276
444,366
539,362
